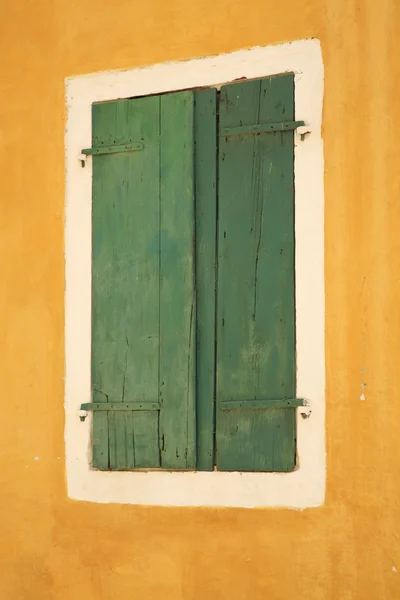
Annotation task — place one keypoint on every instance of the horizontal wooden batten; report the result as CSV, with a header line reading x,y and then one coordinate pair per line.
x,y
263,128
261,404
134,406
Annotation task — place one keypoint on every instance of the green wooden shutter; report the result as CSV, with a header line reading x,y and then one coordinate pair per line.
x,y
143,300
255,295
155,331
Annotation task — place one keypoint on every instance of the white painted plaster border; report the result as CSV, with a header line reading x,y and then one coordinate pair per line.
x,y
302,488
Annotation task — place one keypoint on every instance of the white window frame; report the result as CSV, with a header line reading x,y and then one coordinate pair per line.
x,y
304,487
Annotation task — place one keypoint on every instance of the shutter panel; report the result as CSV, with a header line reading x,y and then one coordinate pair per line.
x,y
255,296
143,302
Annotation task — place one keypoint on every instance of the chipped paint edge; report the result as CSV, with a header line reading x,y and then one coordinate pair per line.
x,y
304,487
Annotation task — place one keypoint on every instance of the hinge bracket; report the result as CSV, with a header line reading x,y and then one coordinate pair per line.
x,y
261,404
263,128
118,406
109,149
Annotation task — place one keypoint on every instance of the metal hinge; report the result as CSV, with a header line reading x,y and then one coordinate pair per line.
x,y
119,406
263,128
131,147
262,404
301,403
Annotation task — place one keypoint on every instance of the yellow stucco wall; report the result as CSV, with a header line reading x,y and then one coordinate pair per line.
x,y
54,548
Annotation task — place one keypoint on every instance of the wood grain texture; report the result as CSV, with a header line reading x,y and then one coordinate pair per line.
x,y
206,221
255,313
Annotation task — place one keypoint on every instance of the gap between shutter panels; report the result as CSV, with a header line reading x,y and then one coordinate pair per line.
x,y
205,451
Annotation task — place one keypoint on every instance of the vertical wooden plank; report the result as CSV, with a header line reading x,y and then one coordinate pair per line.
x,y
125,294
142,374
255,314
177,299
278,264
106,305
205,122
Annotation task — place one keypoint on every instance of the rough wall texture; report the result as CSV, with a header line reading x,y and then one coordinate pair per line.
x,y
55,548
